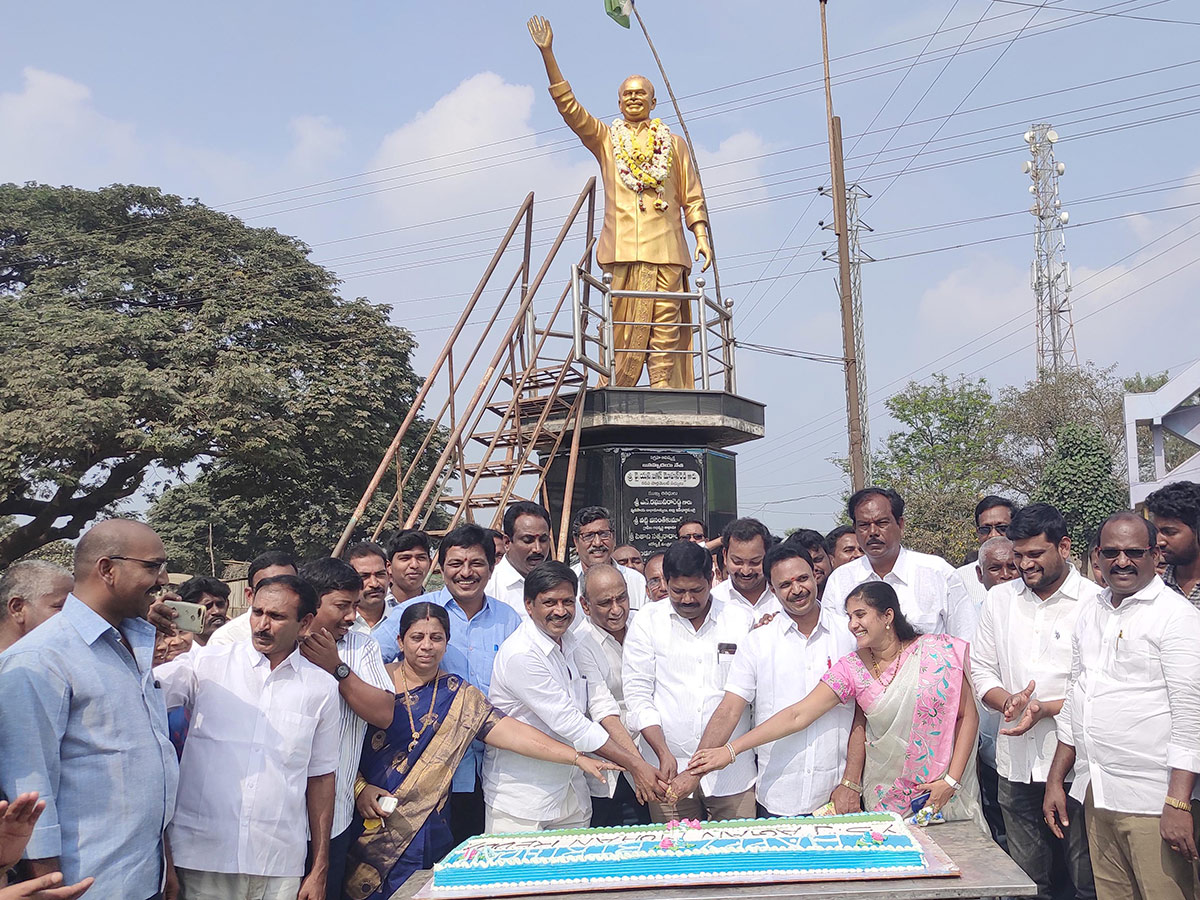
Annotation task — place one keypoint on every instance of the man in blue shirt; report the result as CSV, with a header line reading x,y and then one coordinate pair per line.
x,y
85,724
479,624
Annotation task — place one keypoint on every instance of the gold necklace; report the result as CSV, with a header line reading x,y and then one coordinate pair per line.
x,y
426,720
875,666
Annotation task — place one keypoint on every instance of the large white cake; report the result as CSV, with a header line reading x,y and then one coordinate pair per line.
x,y
863,845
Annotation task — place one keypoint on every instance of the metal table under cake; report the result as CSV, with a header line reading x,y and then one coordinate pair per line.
x,y
986,871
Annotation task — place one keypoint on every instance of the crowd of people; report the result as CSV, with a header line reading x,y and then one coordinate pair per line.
x,y
352,726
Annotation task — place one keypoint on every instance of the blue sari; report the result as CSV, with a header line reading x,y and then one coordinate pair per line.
x,y
417,834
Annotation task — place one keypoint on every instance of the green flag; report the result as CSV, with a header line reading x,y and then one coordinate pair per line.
x,y
618,11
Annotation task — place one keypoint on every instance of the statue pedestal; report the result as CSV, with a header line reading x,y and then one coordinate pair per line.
x,y
654,457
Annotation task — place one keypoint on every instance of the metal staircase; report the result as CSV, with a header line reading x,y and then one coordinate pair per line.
x,y
503,418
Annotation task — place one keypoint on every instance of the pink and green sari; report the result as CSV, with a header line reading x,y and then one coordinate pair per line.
x,y
911,712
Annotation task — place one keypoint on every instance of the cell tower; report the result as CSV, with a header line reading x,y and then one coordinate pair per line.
x,y
1050,271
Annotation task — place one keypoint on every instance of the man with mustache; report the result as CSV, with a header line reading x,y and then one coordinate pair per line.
x,y
365,689
1130,724
541,679
813,543
932,594
259,764
746,542
527,527
30,593
85,726
369,560
213,595
676,659
776,666
1022,663
479,625
265,565
604,602
595,541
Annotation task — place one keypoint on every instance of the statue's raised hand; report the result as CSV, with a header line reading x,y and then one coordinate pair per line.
x,y
539,30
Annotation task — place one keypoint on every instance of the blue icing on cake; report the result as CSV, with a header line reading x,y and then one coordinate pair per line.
x,y
788,849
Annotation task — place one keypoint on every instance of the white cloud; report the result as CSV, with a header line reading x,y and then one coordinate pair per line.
x,y
975,298
52,133
436,173
318,142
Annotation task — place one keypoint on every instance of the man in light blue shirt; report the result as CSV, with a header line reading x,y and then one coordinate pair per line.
x,y
85,724
479,624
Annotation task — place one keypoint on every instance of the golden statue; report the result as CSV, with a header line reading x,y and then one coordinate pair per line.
x,y
648,182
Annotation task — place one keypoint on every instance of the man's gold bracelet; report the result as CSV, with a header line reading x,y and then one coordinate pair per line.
x,y
847,783
1179,804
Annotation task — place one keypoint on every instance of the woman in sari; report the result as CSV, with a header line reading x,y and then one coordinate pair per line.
x,y
413,760
922,722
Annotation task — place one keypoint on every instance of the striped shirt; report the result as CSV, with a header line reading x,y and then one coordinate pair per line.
x,y
361,653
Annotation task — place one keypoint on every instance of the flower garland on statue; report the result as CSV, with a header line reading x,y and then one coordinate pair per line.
x,y
642,168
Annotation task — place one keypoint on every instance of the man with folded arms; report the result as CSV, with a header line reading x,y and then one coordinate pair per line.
x,y
541,680
1130,724
1022,660
677,658
260,757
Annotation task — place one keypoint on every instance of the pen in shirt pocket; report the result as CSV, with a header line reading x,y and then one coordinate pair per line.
x,y
829,662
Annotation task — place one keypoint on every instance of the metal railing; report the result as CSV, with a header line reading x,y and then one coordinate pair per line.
x,y
711,328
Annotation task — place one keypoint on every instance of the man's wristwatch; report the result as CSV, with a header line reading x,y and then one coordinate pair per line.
x,y
847,783
341,672
1179,804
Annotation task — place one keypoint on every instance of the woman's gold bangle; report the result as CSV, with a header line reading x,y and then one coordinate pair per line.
x,y
360,784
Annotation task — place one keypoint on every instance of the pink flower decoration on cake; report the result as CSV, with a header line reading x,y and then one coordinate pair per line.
x,y
666,844
674,823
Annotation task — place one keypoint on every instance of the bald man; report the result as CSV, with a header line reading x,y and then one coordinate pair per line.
x,y
30,593
604,601
85,724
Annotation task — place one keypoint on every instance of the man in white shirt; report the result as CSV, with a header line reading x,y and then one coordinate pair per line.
x,y
264,566
540,679
594,544
813,543
994,566
932,595
1021,660
369,560
365,689
259,762
746,542
992,517
527,527
1130,724
677,658
777,665
604,602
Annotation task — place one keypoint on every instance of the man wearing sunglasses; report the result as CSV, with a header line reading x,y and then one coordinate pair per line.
x,y
993,515
1130,724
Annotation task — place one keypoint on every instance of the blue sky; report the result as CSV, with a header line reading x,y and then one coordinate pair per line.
x,y
308,103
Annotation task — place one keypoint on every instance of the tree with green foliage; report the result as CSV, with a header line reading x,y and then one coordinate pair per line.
x,y
1079,481
942,461
1032,416
148,339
